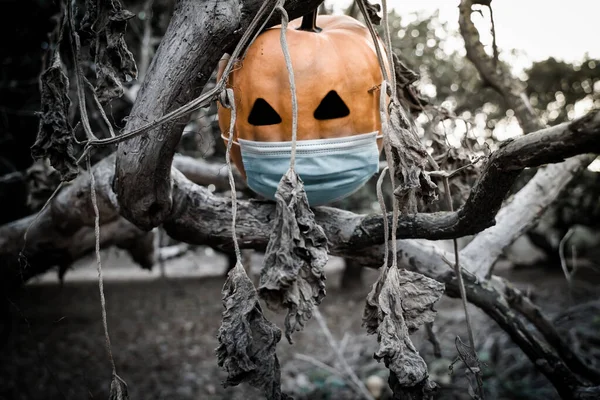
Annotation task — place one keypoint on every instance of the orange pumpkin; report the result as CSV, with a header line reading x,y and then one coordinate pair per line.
x,y
337,77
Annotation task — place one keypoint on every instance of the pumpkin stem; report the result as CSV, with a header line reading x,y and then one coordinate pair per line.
x,y
309,22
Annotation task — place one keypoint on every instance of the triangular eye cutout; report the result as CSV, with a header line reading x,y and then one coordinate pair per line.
x,y
263,114
332,106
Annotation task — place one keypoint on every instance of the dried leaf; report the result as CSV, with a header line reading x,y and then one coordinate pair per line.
x,y
118,389
86,26
293,273
115,62
410,158
405,302
372,10
55,136
42,181
419,294
247,340
422,391
408,94
371,313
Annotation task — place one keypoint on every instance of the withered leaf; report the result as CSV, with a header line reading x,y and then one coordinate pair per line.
x,y
118,389
115,62
86,26
55,136
42,180
293,273
371,313
422,391
407,93
410,158
372,10
405,302
247,340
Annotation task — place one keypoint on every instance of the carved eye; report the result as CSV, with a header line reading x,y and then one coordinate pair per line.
x,y
263,114
332,106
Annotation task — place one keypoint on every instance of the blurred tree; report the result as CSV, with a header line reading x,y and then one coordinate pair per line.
x,y
555,87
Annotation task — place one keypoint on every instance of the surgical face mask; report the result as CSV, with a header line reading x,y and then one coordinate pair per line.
x,y
331,169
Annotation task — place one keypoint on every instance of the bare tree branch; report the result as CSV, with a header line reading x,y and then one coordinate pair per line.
x,y
521,214
530,203
198,34
498,174
197,216
534,314
498,79
205,173
489,295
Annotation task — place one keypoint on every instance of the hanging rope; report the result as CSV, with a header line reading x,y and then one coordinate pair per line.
x,y
260,20
288,64
363,10
390,159
230,103
383,110
227,98
386,228
388,41
120,381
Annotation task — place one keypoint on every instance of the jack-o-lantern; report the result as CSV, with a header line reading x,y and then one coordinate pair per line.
x,y
337,79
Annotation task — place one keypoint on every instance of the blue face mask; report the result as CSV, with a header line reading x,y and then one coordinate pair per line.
x,y
331,169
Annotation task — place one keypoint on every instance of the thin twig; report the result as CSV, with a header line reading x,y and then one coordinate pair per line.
x,y
452,174
100,108
340,357
322,365
231,104
37,216
563,260
494,44
431,336
369,24
290,70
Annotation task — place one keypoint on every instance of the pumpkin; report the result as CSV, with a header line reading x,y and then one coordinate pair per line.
x,y
337,78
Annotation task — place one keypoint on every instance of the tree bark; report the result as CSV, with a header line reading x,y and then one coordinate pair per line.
x,y
198,34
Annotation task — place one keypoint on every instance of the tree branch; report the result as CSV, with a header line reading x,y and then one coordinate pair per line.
x,y
205,173
534,314
197,215
499,80
521,214
488,295
499,173
198,34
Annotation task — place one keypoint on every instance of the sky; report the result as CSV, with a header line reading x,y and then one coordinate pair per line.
x,y
540,28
